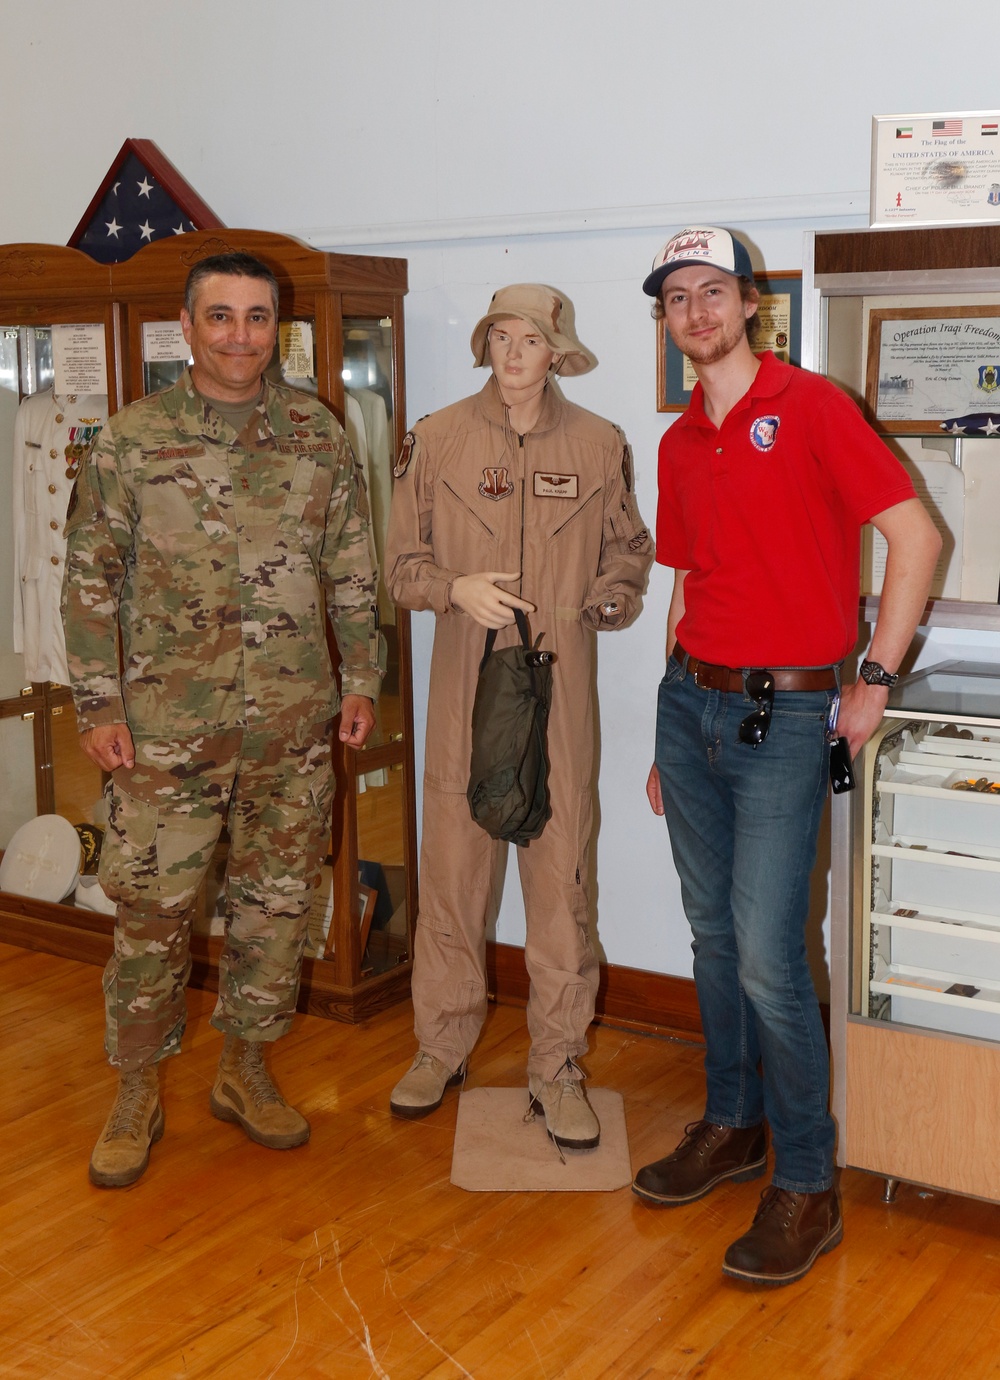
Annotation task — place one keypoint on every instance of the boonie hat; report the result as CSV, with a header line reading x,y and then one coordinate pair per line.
x,y
699,244
543,308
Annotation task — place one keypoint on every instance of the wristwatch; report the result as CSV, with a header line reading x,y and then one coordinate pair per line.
x,y
874,674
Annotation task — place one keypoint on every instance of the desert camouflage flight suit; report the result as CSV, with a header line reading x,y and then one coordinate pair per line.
x,y
217,555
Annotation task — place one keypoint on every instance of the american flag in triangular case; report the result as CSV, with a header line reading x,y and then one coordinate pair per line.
x,y
143,198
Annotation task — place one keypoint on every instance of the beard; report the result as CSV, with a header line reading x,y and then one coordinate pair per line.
x,y
711,351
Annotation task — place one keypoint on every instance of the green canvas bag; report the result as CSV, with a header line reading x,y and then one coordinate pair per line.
x,y
508,780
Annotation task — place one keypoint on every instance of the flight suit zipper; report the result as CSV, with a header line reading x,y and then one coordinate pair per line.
x,y
520,582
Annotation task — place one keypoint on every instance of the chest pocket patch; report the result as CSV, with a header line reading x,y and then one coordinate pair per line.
x,y
179,515
555,485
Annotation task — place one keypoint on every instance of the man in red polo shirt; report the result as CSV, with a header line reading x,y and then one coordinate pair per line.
x,y
764,485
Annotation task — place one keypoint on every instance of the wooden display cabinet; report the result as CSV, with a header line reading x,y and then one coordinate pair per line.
x,y
913,1070
341,329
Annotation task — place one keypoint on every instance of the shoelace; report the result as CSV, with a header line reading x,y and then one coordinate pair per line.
x,y
256,1077
774,1200
126,1118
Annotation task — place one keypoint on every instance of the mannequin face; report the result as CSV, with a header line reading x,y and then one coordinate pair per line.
x,y
231,335
520,357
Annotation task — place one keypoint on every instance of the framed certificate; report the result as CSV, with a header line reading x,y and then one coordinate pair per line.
x,y
933,370
935,169
779,328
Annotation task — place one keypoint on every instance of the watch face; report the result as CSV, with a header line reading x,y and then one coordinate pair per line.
x,y
874,674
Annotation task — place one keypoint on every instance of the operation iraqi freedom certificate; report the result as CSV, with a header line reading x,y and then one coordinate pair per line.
x,y
927,364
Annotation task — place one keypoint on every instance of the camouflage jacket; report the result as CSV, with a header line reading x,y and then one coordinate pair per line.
x,y
216,555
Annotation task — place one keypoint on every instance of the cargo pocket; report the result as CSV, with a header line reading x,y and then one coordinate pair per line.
x,y
109,985
128,868
322,789
578,857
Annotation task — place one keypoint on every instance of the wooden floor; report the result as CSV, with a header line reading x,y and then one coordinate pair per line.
x,y
354,1256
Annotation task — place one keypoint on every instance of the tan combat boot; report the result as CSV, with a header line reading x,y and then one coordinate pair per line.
x,y
569,1118
135,1123
244,1092
422,1087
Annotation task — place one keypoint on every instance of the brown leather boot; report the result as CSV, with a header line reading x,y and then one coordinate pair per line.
x,y
789,1231
133,1125
707,1156
244,1092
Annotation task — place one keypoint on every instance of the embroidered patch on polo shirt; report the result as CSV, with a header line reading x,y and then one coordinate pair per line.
x,y
556,485
764,432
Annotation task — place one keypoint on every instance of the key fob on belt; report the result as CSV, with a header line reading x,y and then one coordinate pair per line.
x,y
841,772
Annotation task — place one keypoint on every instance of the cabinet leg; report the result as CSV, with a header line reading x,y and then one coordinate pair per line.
x,y
889,1192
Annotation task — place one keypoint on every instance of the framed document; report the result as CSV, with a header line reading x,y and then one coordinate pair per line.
x,y
935,169
933,369
779,328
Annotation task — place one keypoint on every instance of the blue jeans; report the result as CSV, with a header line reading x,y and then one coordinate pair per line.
x,y
743,823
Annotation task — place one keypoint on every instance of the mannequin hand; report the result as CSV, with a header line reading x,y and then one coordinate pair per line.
x,y
654,792
110,746
480,597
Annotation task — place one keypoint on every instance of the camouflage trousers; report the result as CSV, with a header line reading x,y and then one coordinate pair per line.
x,y
274,793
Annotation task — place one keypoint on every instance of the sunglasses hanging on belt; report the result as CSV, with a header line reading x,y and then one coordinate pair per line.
x,y
760,687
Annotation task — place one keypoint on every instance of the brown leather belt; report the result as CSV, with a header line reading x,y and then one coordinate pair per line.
x,y
730,678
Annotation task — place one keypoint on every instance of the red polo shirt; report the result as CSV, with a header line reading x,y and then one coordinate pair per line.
x,y
766,514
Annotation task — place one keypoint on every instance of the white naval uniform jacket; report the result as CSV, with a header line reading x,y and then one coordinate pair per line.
x,y
46,424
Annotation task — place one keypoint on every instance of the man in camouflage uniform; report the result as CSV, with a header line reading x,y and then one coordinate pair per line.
x,y
213,526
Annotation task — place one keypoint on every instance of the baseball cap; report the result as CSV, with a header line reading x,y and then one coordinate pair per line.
x,y
699,244
542,307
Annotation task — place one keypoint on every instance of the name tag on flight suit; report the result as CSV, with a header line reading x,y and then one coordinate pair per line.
x,y
556,485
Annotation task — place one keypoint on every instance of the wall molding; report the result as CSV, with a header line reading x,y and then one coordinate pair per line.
x,y
812,208
652,1002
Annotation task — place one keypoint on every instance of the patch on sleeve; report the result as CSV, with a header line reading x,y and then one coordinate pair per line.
x,y
627,467
556,485
405,455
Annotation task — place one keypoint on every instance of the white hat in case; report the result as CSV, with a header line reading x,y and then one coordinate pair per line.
x,y
42,860
90,895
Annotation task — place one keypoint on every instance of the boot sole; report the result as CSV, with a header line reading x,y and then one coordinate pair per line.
x,y
129,1176
828,1243
414,1113
736,1176
590,1144
225,1112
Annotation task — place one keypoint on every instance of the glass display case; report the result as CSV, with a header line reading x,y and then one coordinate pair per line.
x,y
914,1033
896,318
52,403
921,1038
341,339
927,942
